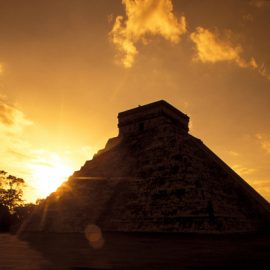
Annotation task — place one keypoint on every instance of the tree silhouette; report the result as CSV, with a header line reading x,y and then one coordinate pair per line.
x,y
13,210
11,191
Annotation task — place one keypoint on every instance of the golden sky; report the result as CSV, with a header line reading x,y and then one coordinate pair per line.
x,y
67,67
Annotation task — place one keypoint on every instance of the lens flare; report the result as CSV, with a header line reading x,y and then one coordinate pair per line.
x,y
94,236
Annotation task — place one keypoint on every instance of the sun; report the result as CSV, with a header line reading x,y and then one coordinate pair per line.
x,y
49,175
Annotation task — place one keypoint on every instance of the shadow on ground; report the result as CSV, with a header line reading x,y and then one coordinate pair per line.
x,y
150,251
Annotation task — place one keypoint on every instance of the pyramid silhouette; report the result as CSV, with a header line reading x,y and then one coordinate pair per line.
x,y
154,177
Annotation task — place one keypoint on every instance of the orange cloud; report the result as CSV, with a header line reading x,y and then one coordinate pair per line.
x,y
234,154
42,169
241,170
12,120
260,3
264,141
210,48
144,18
262,70
262,186
13,123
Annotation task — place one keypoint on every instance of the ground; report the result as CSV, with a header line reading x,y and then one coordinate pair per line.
x,y
135,251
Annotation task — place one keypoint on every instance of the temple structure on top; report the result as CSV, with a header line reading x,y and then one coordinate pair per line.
x,y
154,177
151,115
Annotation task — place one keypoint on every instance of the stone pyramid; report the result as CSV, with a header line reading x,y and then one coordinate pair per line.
x,y
154,177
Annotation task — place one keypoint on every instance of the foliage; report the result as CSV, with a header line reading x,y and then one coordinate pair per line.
x,y
24,211
11,191
13,210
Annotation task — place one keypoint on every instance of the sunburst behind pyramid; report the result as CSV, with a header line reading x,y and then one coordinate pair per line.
x,y
154,177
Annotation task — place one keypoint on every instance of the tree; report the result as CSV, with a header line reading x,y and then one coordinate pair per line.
x,y
5,219
13,210
22,212
11,191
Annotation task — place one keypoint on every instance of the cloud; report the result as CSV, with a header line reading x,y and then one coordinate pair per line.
x,y
233,153
1,68
144,18
210,48
262,186
241,170
248,17
263,71
41,168
12,119
264,141
260,3
13,123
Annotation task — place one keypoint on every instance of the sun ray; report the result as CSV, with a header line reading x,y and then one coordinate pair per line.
x,y
48,176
